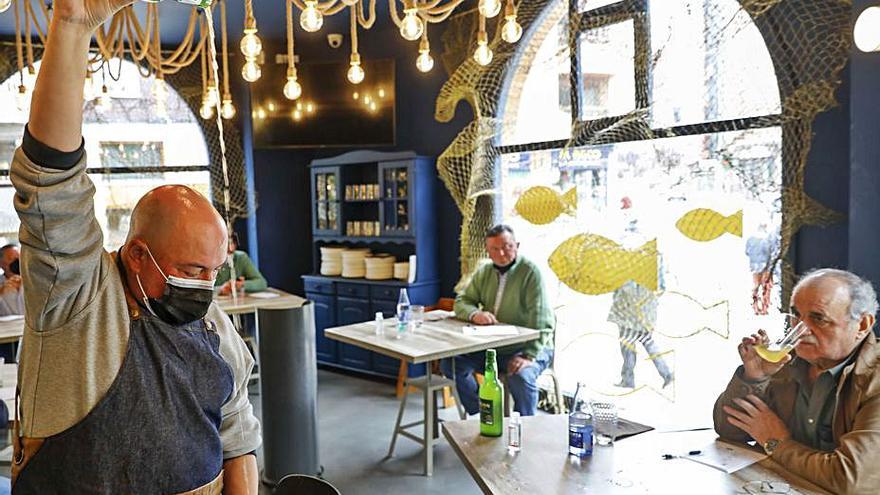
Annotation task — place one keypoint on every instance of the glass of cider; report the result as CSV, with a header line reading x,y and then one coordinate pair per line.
x,y
792,329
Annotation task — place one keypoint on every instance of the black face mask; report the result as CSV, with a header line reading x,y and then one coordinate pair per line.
x,y
15,267
185,300
181,305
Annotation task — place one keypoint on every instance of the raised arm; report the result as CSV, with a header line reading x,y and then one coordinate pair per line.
x,y
61,240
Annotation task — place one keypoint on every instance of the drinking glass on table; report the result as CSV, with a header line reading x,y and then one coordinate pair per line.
x,y
604,422
417,315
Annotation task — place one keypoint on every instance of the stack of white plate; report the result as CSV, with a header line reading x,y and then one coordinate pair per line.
x,y
331,260
380,267
353,265
401,271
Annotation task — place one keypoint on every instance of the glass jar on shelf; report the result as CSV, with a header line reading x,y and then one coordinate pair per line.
x,y
331,187
321,187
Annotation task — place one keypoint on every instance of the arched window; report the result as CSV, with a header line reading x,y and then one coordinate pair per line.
x,y
674,106
131,147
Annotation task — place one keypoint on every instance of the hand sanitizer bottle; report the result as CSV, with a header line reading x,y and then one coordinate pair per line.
x,y
380,324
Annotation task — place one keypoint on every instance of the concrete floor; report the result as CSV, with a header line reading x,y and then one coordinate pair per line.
x,y
355,420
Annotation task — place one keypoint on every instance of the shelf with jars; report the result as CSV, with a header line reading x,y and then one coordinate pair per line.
x,y
384,203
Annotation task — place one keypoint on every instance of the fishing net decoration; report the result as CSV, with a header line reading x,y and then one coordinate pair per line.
x,y
187,82
808,43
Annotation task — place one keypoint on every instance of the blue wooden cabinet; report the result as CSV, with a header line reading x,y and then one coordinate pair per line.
x,y
385,202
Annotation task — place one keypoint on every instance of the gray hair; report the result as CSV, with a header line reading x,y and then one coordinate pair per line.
x,y
498,230
862,298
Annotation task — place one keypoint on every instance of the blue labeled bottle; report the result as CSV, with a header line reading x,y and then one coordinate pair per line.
x,y
580,426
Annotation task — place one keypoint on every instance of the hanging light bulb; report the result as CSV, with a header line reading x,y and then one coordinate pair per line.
x,y
490,8
412,26
297,115
89,88
425,62
227,109
310,107
511,32
251,71
4,5
104,101
251,46
30,77
21,98
311,18
293,89
866,32
212,95
484,54
207,110
355,72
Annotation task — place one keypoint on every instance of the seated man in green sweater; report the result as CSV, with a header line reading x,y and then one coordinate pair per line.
x,y
246,273
509,290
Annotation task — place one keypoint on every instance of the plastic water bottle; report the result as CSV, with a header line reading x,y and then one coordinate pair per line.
x,y
580,427
380,324
403,305
403,314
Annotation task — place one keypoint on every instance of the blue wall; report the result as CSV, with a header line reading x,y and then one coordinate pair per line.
x,y
281,177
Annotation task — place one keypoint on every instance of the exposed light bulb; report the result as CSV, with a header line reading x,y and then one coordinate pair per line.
x,y
367,99
89,88
161,112
299,105
373,106
4,5
297,115
207,110
260,113
355,72
21,98
425,62
310,107
490,8
251,46
355,96
30,77
483,55
412,26
271,106
311,18
512,31
251,71
381,93
867,30
212,95
227,109
293,89
159,89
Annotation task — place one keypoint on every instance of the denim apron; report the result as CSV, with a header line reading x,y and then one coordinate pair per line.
x,y
156,431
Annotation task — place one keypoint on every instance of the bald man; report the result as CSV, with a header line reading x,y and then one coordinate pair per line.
x,y
131,379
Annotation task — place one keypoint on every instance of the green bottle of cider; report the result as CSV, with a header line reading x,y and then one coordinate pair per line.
x,y
491,400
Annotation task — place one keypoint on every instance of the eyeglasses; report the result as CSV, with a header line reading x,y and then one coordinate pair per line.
x,y
763,486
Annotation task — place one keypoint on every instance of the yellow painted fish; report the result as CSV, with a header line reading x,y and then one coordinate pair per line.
x,y
541,205
705,225
592,264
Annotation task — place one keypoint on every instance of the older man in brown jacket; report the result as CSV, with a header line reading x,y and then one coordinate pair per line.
x,y
817,414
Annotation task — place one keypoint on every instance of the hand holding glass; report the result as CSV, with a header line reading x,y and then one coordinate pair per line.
x,y
776,351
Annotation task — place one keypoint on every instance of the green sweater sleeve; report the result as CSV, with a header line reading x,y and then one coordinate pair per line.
x,y
253,279
470,300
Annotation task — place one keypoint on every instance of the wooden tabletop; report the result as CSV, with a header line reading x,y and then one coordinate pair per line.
x,y
634,465
11,331
434,340
251,302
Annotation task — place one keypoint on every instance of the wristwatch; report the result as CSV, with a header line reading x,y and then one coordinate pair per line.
x,y
770,445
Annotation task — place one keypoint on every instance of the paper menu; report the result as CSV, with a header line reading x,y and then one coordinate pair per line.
x,y
726,456
489,330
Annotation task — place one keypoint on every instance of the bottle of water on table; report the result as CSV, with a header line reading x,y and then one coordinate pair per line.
x,y
403,313
580,426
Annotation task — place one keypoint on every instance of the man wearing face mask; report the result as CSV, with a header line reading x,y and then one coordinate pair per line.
x,y
11,293
131,379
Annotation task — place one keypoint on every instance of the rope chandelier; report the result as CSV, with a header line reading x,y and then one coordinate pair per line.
x,y
140,39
